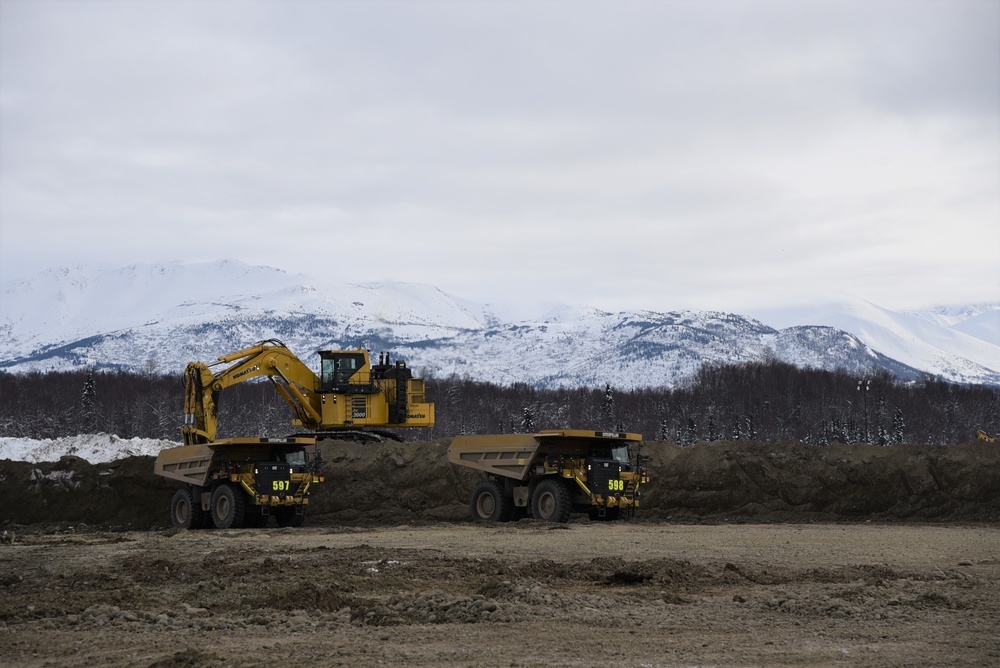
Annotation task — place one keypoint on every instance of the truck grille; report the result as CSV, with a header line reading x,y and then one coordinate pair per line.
x,y
604,476
274,479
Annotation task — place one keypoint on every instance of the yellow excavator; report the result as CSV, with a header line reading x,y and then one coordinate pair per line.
x,y
983,436
351,398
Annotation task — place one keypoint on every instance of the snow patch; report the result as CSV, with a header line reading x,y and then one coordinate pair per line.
x,y
94,448
63,478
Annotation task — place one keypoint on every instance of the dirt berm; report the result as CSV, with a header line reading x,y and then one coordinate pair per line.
x,y
413,482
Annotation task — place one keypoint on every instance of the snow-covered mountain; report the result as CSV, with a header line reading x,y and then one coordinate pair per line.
x,y
953,343
979,320
162,316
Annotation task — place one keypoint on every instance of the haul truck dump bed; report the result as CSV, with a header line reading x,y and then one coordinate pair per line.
x,y
552,473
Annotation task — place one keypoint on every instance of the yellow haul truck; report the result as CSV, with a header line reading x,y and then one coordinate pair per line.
x,y
553,473
242,481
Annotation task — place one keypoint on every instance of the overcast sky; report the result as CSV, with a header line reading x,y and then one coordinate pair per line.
x,y
658,155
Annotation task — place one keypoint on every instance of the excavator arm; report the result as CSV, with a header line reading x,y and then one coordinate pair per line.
x,y
294,381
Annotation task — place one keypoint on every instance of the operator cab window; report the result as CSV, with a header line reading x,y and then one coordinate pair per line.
x,y
295,457
620,453
615,451
338,368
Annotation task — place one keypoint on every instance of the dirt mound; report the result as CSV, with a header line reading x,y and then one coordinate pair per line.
x,y
794,481
122,493
413,482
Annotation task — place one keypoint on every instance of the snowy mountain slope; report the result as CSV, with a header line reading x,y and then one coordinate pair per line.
x,y
82,300
985,326
930,341
979,320
631,350
950,316
63,306
167,315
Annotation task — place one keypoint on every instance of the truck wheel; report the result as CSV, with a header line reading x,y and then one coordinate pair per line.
x,y
551,502
185,512
228,507
489,504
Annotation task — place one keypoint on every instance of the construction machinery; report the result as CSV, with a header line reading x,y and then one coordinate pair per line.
x,y
983,436
553,473
238,482
350,397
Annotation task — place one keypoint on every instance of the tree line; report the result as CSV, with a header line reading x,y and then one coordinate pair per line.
x,y
768,401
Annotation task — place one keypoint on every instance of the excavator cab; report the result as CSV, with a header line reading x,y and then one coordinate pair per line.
x,y
344,372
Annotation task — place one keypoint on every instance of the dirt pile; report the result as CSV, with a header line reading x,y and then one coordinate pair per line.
x,y
121,493
794,481
413,482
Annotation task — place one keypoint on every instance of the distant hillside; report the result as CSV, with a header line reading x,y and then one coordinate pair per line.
x,y
164,315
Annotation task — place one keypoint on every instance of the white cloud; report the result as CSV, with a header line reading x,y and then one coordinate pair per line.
x,y
627,154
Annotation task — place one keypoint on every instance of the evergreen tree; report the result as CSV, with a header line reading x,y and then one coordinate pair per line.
x,y
528,420
689,435
897,426
455,407
608,407
88,403
89,395
663,433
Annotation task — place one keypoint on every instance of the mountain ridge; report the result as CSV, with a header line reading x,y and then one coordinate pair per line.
x,y
161,316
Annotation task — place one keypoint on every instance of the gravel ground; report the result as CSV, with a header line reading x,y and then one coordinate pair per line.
x,y
524,594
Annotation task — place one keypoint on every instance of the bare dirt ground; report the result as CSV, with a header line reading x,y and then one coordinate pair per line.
x,y
523,594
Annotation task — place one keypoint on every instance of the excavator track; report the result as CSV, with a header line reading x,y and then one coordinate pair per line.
x,y
356,435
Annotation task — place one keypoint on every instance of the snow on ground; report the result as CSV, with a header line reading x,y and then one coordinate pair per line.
x,y
95,448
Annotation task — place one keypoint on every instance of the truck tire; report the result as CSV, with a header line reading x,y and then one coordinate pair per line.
x,y
551,502
228,507
185,512
488,503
